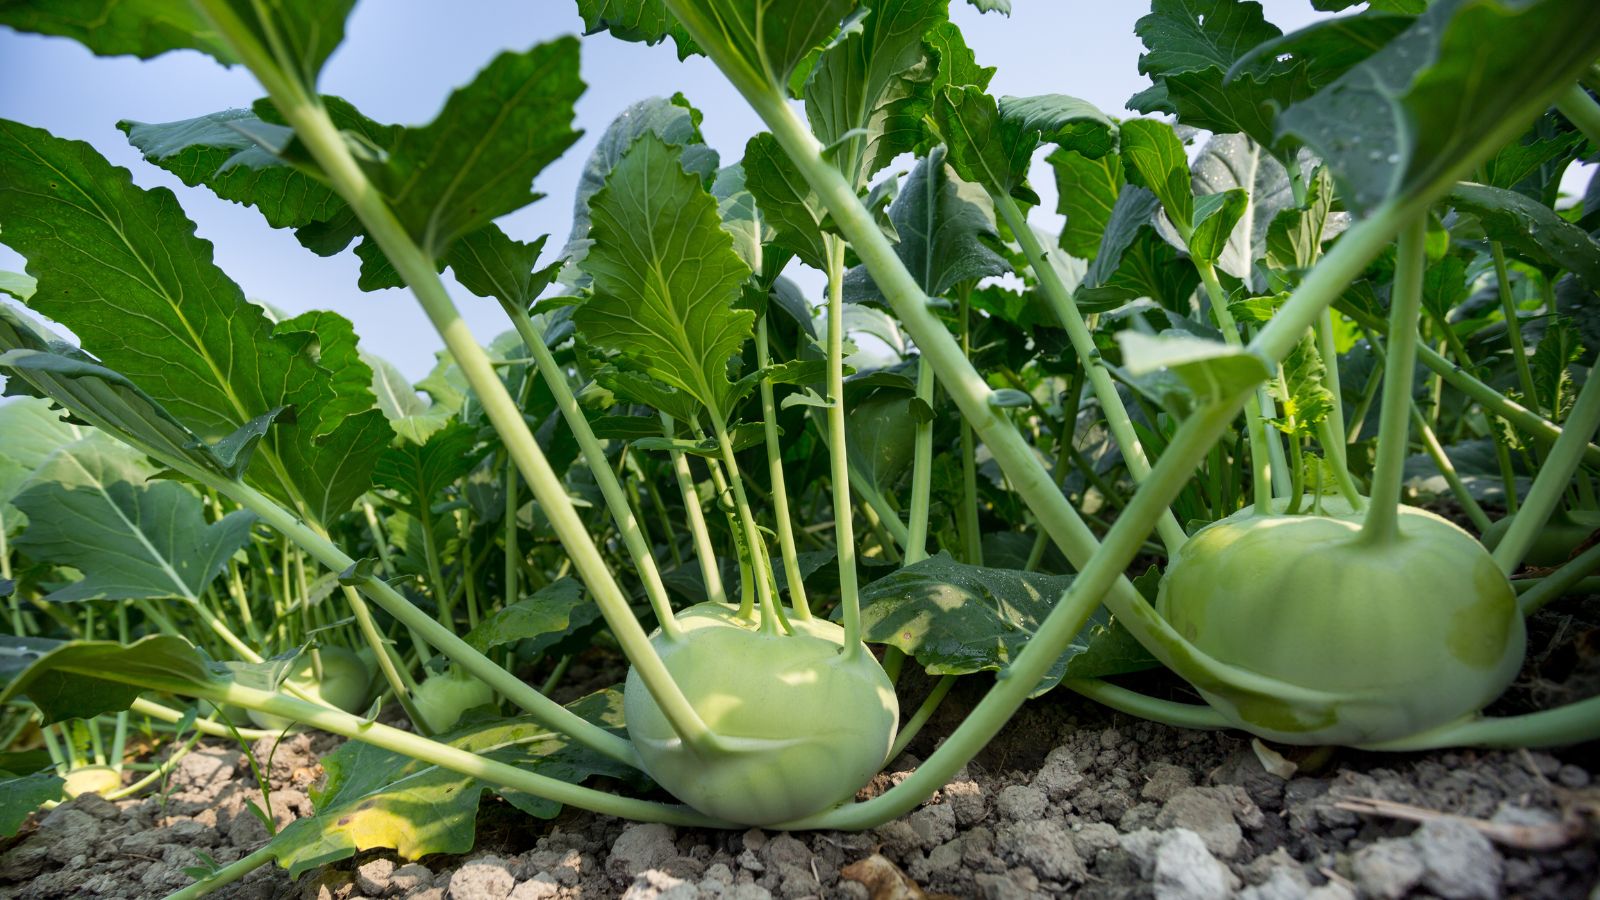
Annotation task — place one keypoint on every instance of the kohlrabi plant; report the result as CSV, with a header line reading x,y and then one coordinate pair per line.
x,y
1314,348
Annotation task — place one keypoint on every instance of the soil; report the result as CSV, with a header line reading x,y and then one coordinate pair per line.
x,y
1070,800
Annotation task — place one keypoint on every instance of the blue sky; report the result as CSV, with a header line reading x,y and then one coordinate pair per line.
x,y
400,60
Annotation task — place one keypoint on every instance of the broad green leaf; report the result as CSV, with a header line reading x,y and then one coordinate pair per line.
x,y
879,432
1449,82
1062,120
1154,158
123,269
142,28
673,121
957,619
1086,192
1296,234
636,387
32,432
1134,261
1192,46
412,418
375,798
489,263
785,200
1212,370
1229,161
477,159
1216,217
91,508
741,217
646,21
420,474
19,797
82,679
1444,287
1530,230
108,400
665,276
768,39
947,233
957,63
1325,49
17,285
1534,163
868,94
305,31
542,618
1003,7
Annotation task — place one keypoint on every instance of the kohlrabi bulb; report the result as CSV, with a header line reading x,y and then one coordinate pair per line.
x,y
442,698
1555,542
803,724
100,780
1416,631
343,685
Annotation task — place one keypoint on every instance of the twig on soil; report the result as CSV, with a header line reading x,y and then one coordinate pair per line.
x,y
1521,837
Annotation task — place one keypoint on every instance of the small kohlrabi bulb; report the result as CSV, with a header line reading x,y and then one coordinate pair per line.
x,y
1555,542
344,684
802,724
100,780
1415,631
441,699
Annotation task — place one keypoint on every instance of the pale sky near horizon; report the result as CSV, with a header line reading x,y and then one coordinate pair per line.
x,y
401,58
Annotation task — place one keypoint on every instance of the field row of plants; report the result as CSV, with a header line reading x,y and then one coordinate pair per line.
x,y
1298,409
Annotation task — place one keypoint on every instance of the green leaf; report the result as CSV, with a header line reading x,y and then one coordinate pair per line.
x,y
103,397
871,88
542,619
1086,192
665,276
1307,400
375,798
957,63
1558,348
1229,161
1215,218
489,263
769,39
1296,234
420,474
90,508
122,268
1193,46
17,285
1447,81
1444,287
1134,261
477,159
32,433
742,218
1530,230
302,33
947,233
19,797
786,201
1212,370
1154,158
646,21
412,418
1065,121
82,679
142,28
957,619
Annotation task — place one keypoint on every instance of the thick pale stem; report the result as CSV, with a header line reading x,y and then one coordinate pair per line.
x,y
921,470
452,758
1331,431
760,569
227,874
326,144
971,538
1581,110
1508,306
1574,723
205,726
1571,575
633,537
1441,461
1394,417
1178,715
704,552
913,726
1261,459
780,491
838,455
396,604
1554,477
1105,389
